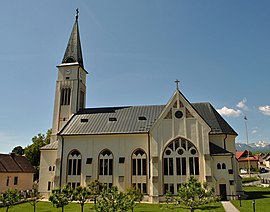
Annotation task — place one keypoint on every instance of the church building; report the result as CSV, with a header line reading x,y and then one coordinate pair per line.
x,y
152,147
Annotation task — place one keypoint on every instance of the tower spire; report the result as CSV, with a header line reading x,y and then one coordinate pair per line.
x,y
73,51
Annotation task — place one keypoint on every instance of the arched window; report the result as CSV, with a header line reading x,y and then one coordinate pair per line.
x,y
106,167
180,160
50,168
139,170
74,167
74,163
223,166
139,163
218,166
65,96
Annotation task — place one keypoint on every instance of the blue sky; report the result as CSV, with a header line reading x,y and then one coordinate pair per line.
x,y
133,51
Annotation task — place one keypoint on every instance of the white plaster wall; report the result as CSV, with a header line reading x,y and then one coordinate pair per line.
x,y
91,146
47,158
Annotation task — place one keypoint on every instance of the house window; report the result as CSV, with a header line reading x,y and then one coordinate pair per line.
x,y
74,163
218,166
121,160
7,181
65,96
16,180
180,158
50,168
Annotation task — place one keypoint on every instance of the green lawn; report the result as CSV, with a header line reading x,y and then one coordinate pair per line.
x,y
261,197
73,207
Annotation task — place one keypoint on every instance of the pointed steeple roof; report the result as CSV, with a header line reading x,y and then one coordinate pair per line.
x,y
73,51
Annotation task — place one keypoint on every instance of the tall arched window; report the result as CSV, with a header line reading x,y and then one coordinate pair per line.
x,y
74,163
106,167
74,167
65,96
180,160
218,166
139,170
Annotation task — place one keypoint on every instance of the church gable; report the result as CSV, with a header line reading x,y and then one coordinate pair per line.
x,y
179,118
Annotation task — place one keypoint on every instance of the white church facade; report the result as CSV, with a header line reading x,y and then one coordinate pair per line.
x,y
155,148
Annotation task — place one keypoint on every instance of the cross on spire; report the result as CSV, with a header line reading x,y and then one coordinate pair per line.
x,y
77,13
177,84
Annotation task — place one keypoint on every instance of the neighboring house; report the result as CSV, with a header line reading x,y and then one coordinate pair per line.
x,y
16,172
245,158
261,156
266,160
154,148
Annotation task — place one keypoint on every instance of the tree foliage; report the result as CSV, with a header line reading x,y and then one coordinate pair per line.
x,y
32,152
95,188
18,150
133,195
113,200
193,194
81,194
61,197
35,196
9,198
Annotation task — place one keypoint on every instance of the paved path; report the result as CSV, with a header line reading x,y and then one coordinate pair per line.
x,y
229,207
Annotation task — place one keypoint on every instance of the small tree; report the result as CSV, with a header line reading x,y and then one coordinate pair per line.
x,y
95,189
133,195
193,194
61,197
9,198
35,196
81,194
111,200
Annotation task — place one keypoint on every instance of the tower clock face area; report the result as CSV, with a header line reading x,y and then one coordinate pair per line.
x,y
67,72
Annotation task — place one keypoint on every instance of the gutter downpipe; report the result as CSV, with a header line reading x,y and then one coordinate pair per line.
x,y
224,141
61,161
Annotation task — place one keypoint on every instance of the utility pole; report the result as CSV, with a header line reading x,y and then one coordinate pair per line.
x,y
245,118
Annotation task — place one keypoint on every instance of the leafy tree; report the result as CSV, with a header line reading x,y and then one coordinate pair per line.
x,y
95,188
18,150
133,195
32,152
193,194
111,200
9,198
35,196
61,197
81,194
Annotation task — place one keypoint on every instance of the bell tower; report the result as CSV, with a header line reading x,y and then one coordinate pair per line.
x,y
71,83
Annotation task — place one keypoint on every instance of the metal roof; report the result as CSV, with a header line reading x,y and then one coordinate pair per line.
x,y
111,120
50,146
217,150
73,51
213,119
134,119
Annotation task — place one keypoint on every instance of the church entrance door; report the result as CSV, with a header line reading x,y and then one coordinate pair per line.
x,y
223,192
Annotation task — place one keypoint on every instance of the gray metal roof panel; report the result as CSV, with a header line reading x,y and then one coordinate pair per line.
x,y
213,119
127,120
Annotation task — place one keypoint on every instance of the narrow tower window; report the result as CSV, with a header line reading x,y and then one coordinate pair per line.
x,y
65,96
81,99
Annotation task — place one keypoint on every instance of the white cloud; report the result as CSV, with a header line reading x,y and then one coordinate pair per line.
x,y
229,112
265,110
242,104
254,131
